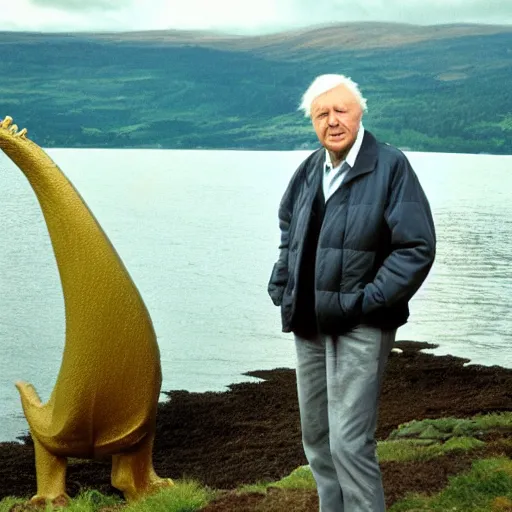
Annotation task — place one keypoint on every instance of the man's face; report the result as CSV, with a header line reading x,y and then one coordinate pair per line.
x,y
336,117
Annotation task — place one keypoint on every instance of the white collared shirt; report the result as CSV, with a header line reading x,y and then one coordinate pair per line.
x,y
329,171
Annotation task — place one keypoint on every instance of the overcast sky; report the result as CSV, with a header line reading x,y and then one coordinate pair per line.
x,y
239,16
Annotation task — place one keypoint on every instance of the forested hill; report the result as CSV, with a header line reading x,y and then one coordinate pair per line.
x,y
440,88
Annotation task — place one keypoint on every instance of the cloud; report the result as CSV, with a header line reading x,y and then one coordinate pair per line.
x,y
81,5
404,11
240,16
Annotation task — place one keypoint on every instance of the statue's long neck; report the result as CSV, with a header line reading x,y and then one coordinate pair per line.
x,y
84,254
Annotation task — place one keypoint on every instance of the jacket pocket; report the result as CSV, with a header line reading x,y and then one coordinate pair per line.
x,y
338,312
351,304
277,283
373,299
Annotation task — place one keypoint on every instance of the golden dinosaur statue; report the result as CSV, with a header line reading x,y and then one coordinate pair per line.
x,y
105,399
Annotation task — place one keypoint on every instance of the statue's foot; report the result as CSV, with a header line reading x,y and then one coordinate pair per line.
x,y
60,501
38,503
156,485
133,473
159,484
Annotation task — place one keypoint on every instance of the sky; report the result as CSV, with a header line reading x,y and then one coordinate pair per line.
x,y
239,16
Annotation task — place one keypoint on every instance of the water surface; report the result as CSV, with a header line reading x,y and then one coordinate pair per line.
x,y
198,232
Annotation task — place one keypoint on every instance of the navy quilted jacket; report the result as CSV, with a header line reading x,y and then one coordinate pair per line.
x,y
375,247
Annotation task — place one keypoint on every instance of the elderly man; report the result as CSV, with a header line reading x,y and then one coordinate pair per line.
x,y
357,241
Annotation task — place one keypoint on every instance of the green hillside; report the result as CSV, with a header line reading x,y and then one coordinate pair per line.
x,y
448,90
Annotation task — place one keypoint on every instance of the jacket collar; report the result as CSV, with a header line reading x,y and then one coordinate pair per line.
x,y
315,168
366,161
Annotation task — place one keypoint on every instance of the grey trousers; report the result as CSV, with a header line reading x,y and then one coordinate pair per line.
x,y
338,381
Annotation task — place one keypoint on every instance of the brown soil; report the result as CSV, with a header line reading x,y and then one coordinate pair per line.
x,y
251,433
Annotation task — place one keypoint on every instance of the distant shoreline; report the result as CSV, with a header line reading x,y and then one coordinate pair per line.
x,y
187,89
258,149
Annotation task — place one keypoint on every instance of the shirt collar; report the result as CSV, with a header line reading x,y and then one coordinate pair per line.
x,y
352,154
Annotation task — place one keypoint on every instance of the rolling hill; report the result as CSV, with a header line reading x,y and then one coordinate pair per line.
x,y
429,88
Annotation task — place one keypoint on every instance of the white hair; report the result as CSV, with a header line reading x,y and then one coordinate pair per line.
x,y
324,83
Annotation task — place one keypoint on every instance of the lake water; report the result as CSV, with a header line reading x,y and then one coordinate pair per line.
x,y
198,232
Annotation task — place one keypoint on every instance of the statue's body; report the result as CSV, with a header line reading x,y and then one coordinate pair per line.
x,y
106,395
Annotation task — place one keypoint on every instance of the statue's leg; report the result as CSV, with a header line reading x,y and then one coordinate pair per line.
x,y
133,473
50,474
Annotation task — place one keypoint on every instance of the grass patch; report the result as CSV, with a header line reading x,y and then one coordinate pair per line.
x,y
418,449
427,439
300,478
7,503
446,428
486,488
259,488
185,496
86,501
